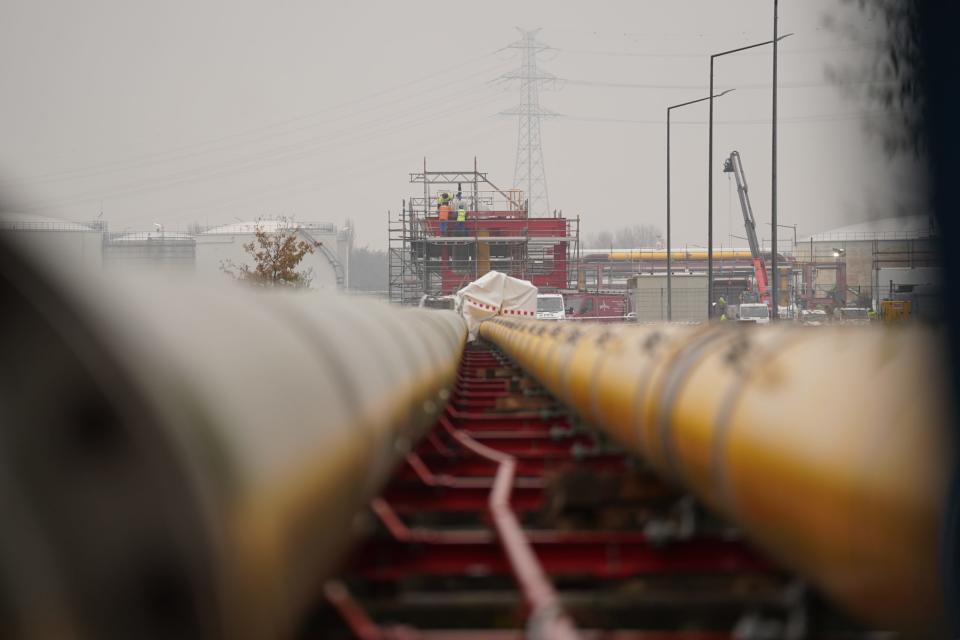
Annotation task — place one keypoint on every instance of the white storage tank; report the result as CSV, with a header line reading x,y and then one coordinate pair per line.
x,y
158,250
72,243
222,245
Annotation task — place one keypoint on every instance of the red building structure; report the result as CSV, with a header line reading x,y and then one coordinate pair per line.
x,y
430,255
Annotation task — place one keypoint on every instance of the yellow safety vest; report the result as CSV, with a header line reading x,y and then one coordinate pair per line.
x,y
461,215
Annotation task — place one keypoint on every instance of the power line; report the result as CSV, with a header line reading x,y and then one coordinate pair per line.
x,y
320,177
700,56
699,87
381,128
836,117
264,131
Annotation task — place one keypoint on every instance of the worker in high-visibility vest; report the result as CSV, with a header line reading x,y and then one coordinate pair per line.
x,y
461,219
443,211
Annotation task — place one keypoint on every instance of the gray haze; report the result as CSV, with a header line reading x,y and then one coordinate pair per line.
x,y
182,111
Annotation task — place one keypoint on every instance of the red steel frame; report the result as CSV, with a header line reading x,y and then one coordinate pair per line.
x,y
492,458
490,224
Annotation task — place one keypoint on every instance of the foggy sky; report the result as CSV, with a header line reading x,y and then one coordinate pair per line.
x,y
184,111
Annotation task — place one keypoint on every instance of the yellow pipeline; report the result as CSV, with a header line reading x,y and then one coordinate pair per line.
x,y
201,445
828,446
661,256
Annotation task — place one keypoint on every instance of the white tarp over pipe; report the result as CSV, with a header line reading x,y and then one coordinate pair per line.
x,y
493,294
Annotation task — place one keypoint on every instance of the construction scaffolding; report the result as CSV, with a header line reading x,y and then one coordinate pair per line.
x,y
432,252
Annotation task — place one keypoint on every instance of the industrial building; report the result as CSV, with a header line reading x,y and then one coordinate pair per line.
x,y
200,251
877,256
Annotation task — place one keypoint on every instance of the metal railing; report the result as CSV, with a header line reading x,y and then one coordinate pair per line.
x,y
65,225
840,236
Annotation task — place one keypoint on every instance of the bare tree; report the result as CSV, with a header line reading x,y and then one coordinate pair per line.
x,y
636,236
276,258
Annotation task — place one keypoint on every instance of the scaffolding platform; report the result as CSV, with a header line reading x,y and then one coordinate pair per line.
x,y
432,256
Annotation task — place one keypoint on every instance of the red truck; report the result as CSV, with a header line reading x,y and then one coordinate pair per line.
x,y
597,307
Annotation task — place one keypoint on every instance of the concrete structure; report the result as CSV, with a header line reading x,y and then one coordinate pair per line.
x,y
329,263
902,243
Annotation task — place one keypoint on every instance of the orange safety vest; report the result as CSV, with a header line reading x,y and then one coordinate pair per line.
x,y
444,212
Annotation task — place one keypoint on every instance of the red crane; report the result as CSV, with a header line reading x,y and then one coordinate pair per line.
x,y
735,166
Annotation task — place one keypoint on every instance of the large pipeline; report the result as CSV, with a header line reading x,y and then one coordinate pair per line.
x,y
829,446
660,255
182,461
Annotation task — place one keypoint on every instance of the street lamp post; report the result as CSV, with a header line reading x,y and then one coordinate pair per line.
x,y
710,167
773,181
669,254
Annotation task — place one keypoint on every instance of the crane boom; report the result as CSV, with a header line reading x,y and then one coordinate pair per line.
x,y
735,166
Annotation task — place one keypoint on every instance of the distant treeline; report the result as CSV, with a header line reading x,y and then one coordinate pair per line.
x,y
368,269
632,237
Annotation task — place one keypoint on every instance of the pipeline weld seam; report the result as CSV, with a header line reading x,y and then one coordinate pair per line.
x,y
721,433
566,355
723,424
594,395
599,343
685,359
643,382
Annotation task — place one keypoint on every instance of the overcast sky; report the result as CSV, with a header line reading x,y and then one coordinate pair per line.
x,y
184,111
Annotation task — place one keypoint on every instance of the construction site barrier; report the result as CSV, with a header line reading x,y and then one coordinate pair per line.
x,y
188,461
828,446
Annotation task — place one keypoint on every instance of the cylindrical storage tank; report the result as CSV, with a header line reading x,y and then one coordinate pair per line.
x,y
182,460
150,251
830,447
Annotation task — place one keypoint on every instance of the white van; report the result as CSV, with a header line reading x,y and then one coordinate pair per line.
x,y
756,312
550,307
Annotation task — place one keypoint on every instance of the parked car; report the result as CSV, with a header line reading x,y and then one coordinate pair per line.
x,y
550,307
438,302
814,317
